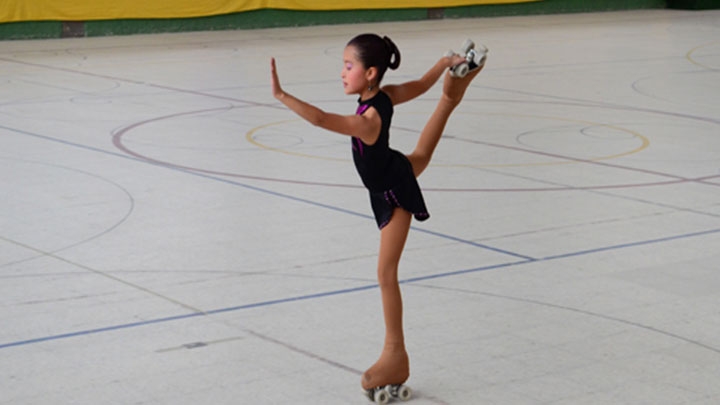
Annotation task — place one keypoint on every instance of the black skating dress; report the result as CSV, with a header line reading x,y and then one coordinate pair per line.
x,y
385,172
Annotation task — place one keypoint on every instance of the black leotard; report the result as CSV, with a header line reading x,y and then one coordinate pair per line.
x,y
385,172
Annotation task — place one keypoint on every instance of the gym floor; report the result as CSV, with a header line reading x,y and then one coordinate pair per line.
x,y
170,234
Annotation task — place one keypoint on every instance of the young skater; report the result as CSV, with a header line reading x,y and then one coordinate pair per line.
x,y
389,175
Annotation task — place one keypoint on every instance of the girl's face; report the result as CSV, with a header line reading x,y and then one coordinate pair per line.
x,y
354,75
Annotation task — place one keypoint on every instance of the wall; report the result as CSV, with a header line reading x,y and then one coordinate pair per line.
x,y
267,18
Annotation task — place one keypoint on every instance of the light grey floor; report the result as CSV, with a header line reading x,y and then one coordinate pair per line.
x,y
170,235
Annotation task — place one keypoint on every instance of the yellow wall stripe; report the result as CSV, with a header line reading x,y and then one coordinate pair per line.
x,y
85,10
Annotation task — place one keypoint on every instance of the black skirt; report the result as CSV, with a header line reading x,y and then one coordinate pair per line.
x,y
406,194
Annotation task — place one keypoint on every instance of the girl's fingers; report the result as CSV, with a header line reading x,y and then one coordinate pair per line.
x,y
276,89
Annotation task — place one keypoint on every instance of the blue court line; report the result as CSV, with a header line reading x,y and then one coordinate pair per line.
x,y
286,300
98,330
184,316
465,271
245,306
631,244
525,260
68,143
254,188
471,243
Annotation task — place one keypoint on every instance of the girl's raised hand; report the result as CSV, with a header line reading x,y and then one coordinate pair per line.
x,y
277,91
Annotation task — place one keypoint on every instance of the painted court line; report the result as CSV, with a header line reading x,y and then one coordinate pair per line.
x,y
524,259
307,297
249,187
633,244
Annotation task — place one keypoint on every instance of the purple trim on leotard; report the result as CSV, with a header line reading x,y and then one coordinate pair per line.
x,y
357,143
394,203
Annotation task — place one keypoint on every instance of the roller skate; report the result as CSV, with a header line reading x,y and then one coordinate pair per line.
x,y
474,59
383,395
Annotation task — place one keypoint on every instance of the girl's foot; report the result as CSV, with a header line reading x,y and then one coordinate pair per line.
x,y
393,367
454,87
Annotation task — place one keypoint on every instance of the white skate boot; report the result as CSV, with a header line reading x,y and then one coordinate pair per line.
x,y
474,59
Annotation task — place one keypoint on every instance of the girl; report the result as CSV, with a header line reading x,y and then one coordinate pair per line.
x,y
389,176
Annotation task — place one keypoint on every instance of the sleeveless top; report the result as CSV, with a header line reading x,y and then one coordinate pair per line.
x,y
385,172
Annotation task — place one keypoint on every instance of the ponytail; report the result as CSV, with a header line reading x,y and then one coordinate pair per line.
x,y
394,54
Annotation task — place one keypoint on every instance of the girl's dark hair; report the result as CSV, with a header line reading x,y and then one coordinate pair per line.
x,y
373,51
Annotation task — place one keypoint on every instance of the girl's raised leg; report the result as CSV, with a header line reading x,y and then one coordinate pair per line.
x,y
393,366
453,92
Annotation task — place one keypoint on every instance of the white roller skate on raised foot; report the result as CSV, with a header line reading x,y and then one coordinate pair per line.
x,y
474,59
383,395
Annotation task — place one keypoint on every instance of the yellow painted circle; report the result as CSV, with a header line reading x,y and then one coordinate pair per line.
x,y
689,56
644,143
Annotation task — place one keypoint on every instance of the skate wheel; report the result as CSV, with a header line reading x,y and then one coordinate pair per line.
x,y
404,392
381,396
460,70
468,45
369,394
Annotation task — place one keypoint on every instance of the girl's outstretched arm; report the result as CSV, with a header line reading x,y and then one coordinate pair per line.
x,y
400,93
366,126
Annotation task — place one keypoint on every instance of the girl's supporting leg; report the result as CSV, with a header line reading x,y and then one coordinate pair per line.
x,y
453,92
393,366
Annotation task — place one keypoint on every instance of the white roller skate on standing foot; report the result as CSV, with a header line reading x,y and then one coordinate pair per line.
x,y
383,395
474,59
